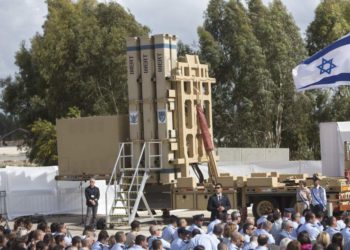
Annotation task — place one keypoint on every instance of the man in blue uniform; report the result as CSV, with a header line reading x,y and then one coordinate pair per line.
x,y
319,198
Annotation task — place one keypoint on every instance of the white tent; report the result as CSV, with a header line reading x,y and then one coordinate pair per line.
x,y
332,138
34,190
282,167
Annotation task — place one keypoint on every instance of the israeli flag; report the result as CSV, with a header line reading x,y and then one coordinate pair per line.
x,y
327,68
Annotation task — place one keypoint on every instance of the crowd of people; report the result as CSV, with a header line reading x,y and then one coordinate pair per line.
x,y
311,230
290,231
287,231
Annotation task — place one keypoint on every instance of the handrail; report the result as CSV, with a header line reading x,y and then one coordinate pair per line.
x,y
137,167
147,154
139,197
113,175
115,165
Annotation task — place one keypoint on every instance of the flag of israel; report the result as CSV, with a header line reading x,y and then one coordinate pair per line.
x,y
327,68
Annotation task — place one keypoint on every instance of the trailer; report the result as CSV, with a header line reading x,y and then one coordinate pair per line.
x,y
263,191
167,132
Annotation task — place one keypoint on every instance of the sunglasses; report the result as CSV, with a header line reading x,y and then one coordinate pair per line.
x,y
217,187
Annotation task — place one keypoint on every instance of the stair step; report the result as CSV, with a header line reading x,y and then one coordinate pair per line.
x,y
148,219
117,207
117,199
129,178
119,215
115,224
128,184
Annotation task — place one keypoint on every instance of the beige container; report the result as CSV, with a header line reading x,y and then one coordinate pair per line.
x,y
333,182
135,95
165,57
241,181
227,181
274,174
148,89
262,182
184,201
232,198
89,145
167,177
284,177
202,201
186,182
309,182
225,174
259,174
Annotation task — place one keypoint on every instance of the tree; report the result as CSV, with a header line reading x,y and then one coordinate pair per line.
x,y
7,125
183,49
42,145
43,149
284,48
332,21
79,60
240,99
251,53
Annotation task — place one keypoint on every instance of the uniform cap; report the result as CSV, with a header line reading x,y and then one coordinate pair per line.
x,y
198,217
316,177
289,210
183,230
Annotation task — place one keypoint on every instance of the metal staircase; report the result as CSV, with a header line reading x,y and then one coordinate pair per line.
x,y
129,182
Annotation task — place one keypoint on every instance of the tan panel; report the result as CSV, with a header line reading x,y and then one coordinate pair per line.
x,y
186,182
202,201
165,56
148,89
230,197
167,178
134,89
227,181
135,94
90,145
192,86
184,201
263,182
260,174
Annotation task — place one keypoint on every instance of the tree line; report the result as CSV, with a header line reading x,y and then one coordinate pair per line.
x,y
77,67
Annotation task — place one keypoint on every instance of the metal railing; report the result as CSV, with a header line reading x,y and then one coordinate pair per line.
x,y
118,165
149,158
3,208
135,178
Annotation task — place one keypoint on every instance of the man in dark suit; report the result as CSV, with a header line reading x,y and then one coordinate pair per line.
x,y
92,194
218,202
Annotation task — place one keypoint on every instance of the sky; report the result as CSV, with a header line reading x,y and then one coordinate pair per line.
x,y
21,19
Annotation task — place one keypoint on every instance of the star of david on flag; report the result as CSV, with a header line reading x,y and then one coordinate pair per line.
x,y
327,68
324,68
